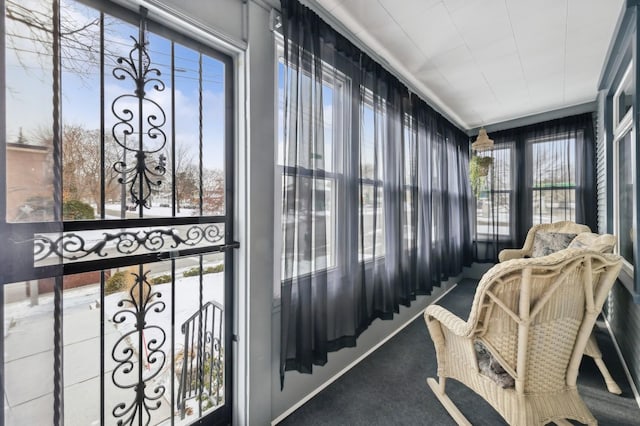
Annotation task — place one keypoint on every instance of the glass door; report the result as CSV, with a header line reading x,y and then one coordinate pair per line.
x,y
117,219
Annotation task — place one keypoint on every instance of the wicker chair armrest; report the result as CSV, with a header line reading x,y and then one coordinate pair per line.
x,y
509,254
447,319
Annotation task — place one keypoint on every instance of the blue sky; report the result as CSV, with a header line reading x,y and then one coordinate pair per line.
x,y
29,82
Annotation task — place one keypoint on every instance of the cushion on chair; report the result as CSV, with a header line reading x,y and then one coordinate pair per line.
x,y
546,243
491,368
601,243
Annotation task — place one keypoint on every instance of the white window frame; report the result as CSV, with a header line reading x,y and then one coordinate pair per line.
x,y
621,124
619,135
621,127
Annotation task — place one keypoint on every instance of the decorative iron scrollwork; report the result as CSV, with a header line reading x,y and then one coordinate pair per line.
x,y
72,246
144,175
128,373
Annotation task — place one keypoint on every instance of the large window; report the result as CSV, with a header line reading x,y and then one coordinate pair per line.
x,y
553,189
316,166
624,166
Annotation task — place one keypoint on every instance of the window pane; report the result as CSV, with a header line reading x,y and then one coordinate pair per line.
x,y
408,231
625,192
371,229
213,136
493,204
554,180
553,205
29,97
373,130
310,226
410,159
624,98
367,144
553,163
493,214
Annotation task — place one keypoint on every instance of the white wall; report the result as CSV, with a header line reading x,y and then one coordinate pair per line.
x,y
222,17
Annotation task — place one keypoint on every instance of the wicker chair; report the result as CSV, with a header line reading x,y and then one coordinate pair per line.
x,y
527,249
601,243
535,317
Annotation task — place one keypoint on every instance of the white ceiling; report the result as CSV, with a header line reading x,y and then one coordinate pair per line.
x,y
487,61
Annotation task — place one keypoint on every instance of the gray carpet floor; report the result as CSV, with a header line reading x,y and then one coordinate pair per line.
x,y
389,386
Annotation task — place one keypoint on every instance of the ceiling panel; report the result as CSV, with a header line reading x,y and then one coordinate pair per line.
x,y
409,8
478,33
486,61
361,11
433,31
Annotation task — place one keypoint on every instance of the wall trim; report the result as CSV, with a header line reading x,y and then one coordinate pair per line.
x,y
541,117
181,22
627,372
355,362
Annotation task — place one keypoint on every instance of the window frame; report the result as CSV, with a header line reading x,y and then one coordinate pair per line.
x,y
621,124
621,130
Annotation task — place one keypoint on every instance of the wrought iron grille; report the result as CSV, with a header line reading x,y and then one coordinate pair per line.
x,y
141,298
143,176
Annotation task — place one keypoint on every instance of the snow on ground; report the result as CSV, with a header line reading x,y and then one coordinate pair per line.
x,y
29,334
186,303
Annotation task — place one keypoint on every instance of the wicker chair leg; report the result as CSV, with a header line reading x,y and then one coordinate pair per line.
x,y
612,386
438,390
563,422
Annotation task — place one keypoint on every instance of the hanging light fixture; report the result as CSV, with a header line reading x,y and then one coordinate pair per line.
x,y
483,142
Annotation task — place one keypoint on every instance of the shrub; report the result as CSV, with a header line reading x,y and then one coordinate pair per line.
x,y
214,269
77,210
208,270
116,282
161,279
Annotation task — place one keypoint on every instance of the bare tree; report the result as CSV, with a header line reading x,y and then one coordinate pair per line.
x,y
32,35
186,175
213,191
81,162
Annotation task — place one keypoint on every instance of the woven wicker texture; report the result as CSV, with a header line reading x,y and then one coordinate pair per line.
x,y
584,239
535,316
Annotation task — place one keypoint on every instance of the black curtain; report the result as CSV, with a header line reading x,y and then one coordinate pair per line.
x,y
375,193
548,171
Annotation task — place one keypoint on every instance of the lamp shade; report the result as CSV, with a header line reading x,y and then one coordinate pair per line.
x,y
483,142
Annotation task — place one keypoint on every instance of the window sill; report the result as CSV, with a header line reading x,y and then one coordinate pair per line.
x,y
488,239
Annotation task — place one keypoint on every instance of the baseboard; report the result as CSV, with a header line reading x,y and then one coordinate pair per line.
x,y
355,362
634,388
